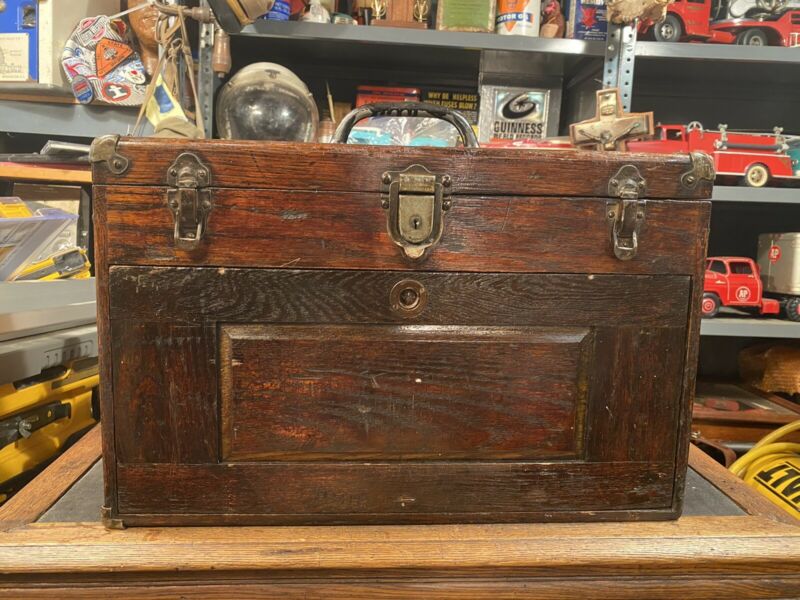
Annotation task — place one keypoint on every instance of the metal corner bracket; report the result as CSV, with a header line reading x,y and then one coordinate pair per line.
x,y
104,150
108,521
702,169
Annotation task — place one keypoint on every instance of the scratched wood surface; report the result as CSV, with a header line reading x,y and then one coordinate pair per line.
x,y
347,392
704,558
215,420
528,368
341,492
298,229
344,296
314,167
165,387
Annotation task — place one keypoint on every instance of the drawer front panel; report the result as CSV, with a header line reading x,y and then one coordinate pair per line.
x,y
401,392
269,395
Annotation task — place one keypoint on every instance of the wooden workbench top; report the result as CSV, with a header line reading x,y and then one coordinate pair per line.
x,y
731,553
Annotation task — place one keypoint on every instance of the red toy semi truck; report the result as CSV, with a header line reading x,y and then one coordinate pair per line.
x,y
735,281
707,20
755,157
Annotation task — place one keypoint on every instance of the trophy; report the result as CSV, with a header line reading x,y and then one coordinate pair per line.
x,y
401,13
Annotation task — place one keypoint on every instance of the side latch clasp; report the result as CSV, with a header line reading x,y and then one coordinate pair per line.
x,y
626,215
416,201
189,199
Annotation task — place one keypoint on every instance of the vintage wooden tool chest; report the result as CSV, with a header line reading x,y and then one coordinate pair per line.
x,y
351,334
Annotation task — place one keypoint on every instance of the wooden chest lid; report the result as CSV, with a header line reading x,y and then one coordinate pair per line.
x,y
351,168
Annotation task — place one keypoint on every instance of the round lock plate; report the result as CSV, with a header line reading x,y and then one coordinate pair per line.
x,y
408,297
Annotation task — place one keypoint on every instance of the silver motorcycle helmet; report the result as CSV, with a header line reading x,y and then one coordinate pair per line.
x,y
266,101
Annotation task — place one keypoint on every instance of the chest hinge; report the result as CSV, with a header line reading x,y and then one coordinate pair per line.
x,y
189,198
626,215
416,201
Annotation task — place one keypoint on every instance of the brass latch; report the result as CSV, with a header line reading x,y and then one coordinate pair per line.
x,y
416,200
189,199
626,215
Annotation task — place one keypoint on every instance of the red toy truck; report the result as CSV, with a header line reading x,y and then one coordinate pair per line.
x,y
777,30
685,20
756,157
734,281
691,20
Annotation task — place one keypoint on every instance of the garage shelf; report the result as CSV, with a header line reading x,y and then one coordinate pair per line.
x,y
424,38
750,327
65,119
731,193
718,52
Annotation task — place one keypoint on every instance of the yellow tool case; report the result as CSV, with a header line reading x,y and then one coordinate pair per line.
x,y
41,415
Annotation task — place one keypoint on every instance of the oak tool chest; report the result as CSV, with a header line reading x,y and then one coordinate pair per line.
x,y
326,334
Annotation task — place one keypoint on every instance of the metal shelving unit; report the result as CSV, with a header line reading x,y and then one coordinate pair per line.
x,y
717,52
65,119
750,327
424,38
730,193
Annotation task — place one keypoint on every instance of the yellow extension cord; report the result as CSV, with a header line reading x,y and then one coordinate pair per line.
x,y
773,468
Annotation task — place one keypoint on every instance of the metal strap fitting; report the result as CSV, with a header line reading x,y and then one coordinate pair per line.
x,y
627,214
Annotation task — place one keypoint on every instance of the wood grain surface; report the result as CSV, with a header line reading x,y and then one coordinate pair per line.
x,y
500,588
41,493
214,428
351,167
636,403
106,361
311,392
295,229
704,558
397,492
524,366
309,296
698,557
165,384
743,495
39,172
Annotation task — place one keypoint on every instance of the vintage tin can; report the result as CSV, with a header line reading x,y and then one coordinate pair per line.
x,y
518,17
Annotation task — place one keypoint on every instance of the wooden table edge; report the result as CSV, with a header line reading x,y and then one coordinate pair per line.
x,y
756,555
747,498
33,500
46,174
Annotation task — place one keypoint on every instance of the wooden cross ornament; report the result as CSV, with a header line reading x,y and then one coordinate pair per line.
x,y
611,128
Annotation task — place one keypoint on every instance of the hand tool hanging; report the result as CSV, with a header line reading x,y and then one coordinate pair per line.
x,y
164,88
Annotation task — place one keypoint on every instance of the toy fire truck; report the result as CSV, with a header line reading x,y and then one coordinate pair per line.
x,y
757,158
711,21
735,281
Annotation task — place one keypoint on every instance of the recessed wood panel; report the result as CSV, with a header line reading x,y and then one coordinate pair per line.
x,y
316,392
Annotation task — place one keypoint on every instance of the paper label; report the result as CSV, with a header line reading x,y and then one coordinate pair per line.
x,y
14,57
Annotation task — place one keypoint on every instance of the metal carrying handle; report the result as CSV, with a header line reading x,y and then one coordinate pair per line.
x,y
406,109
